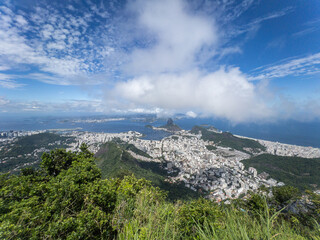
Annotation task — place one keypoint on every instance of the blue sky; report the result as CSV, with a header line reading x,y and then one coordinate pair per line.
x,y
244,61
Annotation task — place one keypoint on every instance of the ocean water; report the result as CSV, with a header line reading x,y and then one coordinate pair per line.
x,y
44,123
291,132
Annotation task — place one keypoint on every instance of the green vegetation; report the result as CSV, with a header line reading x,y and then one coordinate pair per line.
x,y
20,152
133,148
211,147
114,161
28,144
67,199
226,139
296,171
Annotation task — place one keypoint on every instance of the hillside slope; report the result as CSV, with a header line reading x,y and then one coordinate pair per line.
x,y
28,150
296,171
226,139
115,161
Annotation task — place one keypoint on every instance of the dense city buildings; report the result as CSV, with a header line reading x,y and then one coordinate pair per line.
x,y
202,166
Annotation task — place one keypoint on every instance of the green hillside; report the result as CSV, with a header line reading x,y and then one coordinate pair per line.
x,y
226,139
114,161
295,171
20,152
29,143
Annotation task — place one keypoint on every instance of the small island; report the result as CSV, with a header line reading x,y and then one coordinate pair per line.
x,y
169,127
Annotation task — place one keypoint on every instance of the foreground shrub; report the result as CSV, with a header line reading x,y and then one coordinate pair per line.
x,y
195,213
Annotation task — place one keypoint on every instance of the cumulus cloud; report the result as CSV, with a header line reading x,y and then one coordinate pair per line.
x,y
167,75
179,37
223,93
191,114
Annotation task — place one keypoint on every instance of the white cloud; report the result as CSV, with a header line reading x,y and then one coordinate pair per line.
x,y
166,69
4,67
57,45
3,101
162,46
6,10
238,10
179,37
308,27
46,39
66,80
229,50
84,106
47,31
304,32
291,67
252,26
6,81
191,114
21,20
225,93
71,8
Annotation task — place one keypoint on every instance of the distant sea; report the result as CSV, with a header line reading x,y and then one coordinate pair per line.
x,y
291,132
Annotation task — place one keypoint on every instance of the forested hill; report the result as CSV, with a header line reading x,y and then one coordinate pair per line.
x,y
27,150
226,139
303,173
67,199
